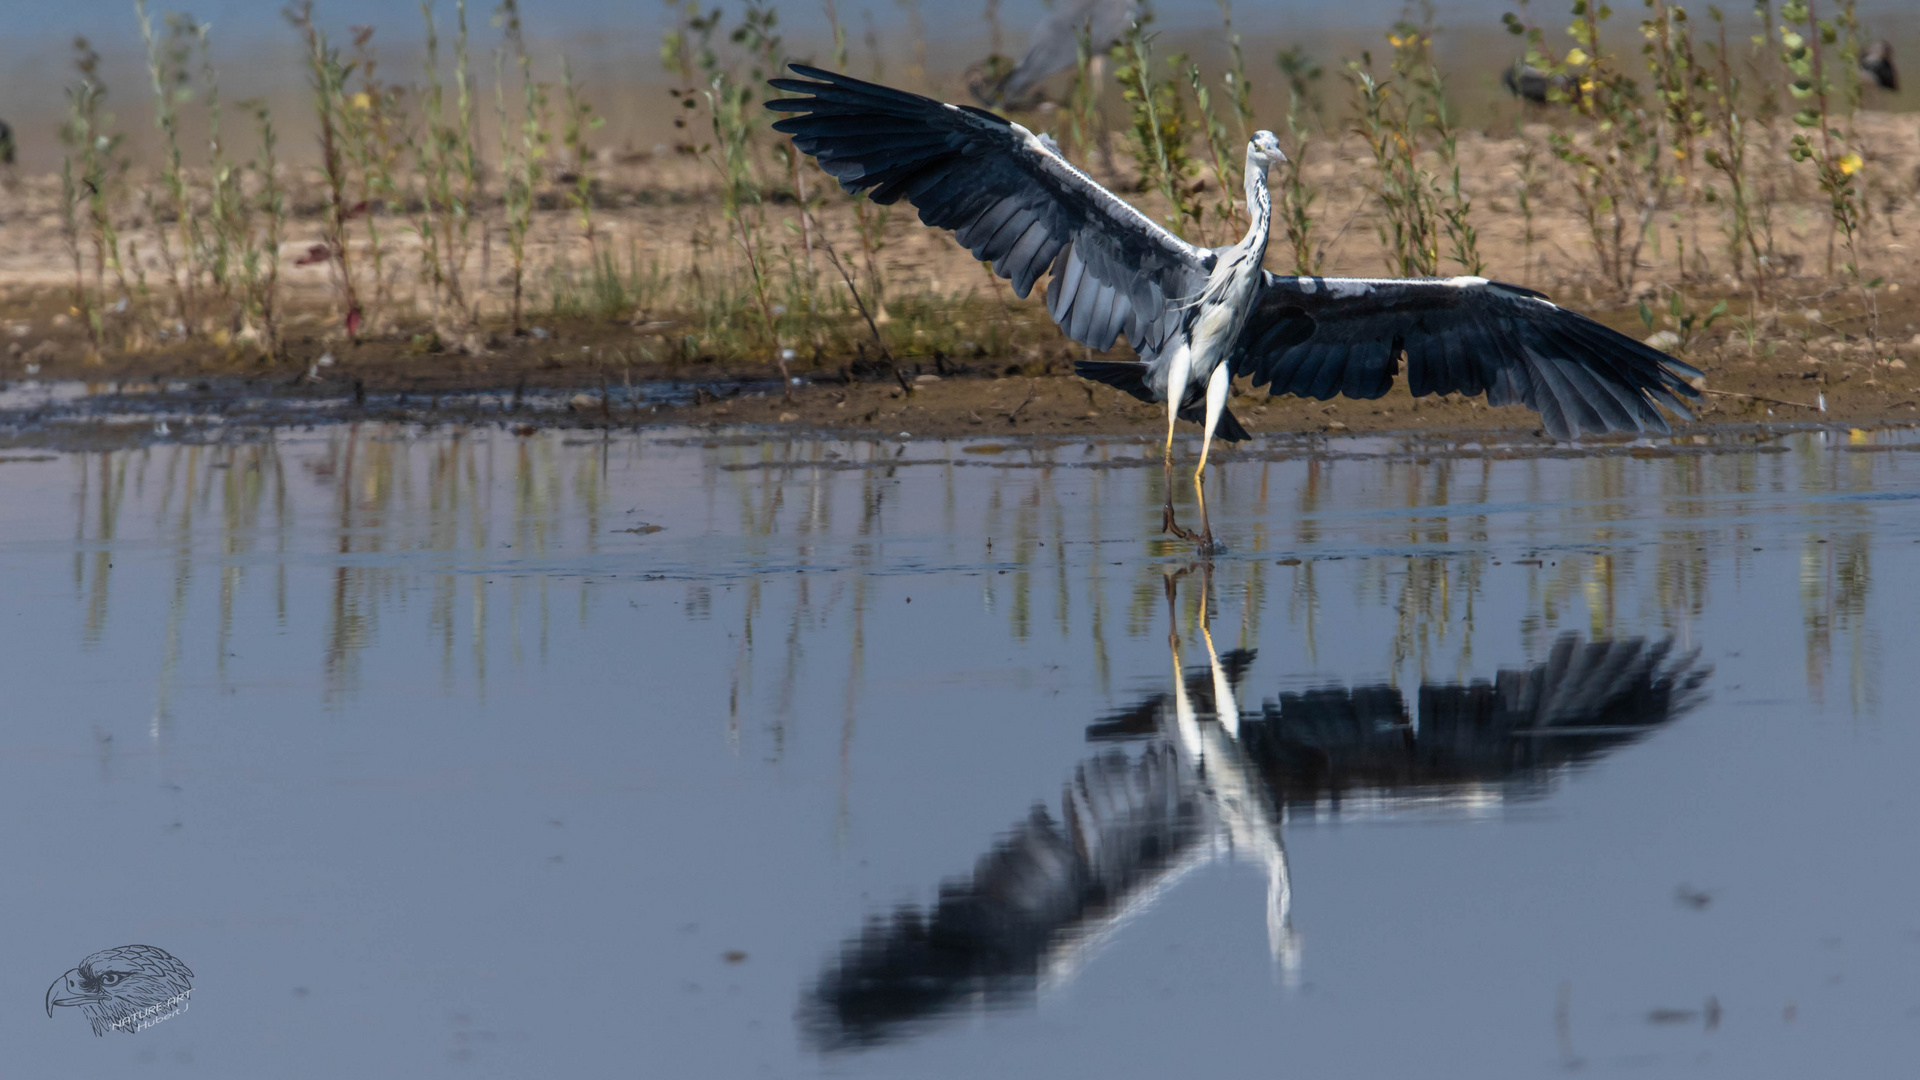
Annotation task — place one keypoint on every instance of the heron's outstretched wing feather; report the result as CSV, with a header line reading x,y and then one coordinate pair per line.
x,y
1007,196
1318,337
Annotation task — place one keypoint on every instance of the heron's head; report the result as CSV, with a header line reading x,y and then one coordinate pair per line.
x,y
1263,150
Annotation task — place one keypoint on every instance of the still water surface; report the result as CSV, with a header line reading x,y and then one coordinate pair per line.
x,y
455,753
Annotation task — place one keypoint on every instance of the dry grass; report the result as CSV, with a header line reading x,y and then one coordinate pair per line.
x,y
1667,185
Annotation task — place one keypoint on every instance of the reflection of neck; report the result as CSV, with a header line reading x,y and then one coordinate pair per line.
x,y
1248,819
1241,821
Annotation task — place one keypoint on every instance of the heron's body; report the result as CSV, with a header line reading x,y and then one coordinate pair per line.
x,y
1525,81
1876,63
1198,317
1200,350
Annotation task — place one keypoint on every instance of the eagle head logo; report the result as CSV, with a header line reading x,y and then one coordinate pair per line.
x,y
118,987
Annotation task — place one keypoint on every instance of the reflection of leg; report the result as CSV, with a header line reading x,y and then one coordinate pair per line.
x,y
1173,621
1226,706
1217,386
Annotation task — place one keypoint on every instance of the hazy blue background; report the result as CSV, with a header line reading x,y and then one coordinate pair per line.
x,y
614,47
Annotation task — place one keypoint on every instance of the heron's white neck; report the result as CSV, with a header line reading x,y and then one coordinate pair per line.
x,y
1259,205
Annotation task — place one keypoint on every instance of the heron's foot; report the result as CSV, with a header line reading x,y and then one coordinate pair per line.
x,y
1205,545
1168,525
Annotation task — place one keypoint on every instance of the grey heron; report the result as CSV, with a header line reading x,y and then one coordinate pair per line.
x,y
1054,46
1211,782
1877,64
1198,317
1522,80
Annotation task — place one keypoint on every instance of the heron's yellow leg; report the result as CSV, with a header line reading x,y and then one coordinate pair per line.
x,y
1218,385
1180,367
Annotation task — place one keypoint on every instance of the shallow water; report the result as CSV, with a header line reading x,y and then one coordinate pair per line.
x,y
440,752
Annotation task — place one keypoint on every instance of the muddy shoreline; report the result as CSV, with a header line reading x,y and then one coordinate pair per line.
x,y
585,374
1016,410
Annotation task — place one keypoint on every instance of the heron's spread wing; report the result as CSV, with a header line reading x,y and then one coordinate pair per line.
x,y
1317,337
1007,196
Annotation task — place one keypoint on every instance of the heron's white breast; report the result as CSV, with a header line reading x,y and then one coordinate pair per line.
x,y
1215,327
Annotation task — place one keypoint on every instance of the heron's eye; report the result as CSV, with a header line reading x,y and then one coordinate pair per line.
x,y
111,978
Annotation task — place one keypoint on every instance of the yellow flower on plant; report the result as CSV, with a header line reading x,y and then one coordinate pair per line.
x,y
362,101
1395,40
1577,56
1849,164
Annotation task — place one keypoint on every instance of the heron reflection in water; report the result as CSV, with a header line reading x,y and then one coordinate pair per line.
x,y
1189,778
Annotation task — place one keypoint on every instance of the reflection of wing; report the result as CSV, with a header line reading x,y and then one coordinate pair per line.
x,y
1042,886
1586,699
1132,825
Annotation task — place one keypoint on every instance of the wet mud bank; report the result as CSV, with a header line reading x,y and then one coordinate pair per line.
x,y
993,416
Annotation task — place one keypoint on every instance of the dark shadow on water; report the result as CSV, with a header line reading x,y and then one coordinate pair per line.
x,y
1188,777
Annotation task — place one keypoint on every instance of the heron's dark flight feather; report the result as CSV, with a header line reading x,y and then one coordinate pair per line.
x,y
1008,199
1318,337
